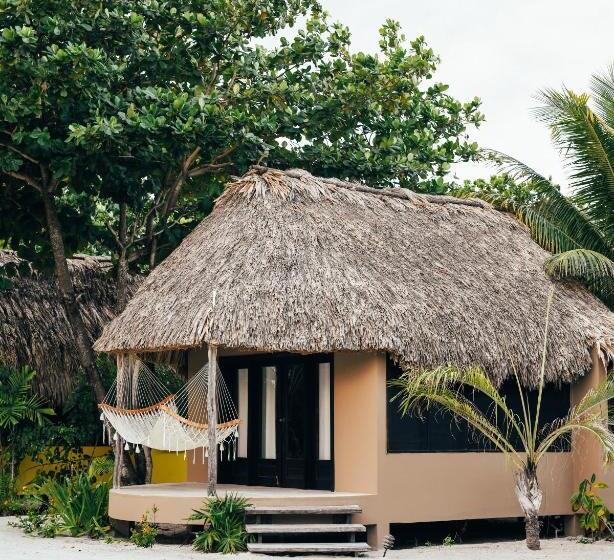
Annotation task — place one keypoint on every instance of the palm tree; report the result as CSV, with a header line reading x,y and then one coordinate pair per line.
x,y
578,229
442,388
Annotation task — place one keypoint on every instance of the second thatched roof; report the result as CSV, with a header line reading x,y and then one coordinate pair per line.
x,y
34,327
291,262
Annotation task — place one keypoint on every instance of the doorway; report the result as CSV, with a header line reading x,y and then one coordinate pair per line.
x,y
285,403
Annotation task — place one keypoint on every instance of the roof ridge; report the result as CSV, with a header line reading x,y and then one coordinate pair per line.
x,y
393,192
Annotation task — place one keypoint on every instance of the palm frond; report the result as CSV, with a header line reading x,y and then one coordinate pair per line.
x,y
593,424
580,263
101,466
442,387
589,415
587,144
556,222
595,398
602,92
16,402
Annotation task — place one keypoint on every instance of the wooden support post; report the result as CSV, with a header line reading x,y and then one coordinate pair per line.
x,y
212,421
120,398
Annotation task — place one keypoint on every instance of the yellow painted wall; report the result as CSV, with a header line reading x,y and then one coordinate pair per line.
x,y
28,468
167,467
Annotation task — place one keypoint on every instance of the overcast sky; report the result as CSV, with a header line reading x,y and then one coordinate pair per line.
x,y
502,51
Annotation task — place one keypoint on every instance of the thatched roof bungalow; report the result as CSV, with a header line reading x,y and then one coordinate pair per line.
x,y
34,328
312,290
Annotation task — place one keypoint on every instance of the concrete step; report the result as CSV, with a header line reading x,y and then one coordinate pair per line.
x,y
286,528
303,510
307,548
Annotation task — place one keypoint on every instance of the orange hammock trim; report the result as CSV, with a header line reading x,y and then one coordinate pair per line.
x,y
136,410
162,405
193,424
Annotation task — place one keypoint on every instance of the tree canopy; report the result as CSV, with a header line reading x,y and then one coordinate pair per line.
x,y
155,104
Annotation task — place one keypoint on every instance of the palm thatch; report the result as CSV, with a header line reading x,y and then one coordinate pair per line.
x,y
291,262
34,328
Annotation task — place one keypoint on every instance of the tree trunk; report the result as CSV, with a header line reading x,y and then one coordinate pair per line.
x,y
531,524
122,261
530,496
118,457
69,298
140,471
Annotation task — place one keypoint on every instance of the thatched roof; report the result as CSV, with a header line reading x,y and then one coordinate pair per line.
x,y
290,262
34,328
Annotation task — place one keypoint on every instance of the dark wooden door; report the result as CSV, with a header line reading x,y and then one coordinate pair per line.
x,y
283,422
295,424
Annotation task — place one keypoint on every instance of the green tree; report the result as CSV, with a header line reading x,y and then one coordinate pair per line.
x,y
306,103
443,388
577,228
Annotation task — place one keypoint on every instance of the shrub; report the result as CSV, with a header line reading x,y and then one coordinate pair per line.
x,y
80,504
224,525
596,517
145,533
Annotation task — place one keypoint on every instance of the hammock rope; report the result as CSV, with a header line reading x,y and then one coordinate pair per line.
x,y
141,411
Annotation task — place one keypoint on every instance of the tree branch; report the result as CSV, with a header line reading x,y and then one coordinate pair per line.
x,y
20,153
26,179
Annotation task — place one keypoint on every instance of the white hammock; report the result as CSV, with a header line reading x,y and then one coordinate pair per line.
x,y
141,411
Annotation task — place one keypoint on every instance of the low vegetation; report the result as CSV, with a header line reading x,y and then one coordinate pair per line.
x,y
145,533
224,525
73,505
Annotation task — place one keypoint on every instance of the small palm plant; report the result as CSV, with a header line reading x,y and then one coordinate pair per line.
x,y
443,388
18,406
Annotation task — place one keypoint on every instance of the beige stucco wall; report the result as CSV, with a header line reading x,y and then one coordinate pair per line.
x,y
412,487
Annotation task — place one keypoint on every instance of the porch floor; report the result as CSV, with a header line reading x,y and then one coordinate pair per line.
x,y
175,501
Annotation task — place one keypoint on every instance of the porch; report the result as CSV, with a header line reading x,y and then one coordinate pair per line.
x,y
175,501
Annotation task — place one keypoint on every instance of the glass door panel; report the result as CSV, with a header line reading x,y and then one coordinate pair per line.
x,y
269,413
243,404
324,423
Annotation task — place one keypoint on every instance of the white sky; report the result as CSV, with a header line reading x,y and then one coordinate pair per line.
x,y
502,51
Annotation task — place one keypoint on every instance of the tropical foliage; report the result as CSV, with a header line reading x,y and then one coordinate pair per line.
x,y
578,227
17,404
79,504
18,409
71,505
595,517
445,388
224,525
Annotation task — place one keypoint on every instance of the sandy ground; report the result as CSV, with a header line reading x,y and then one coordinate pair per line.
x,y
16,545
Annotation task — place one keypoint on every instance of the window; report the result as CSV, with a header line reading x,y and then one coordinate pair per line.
x,y
439,431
